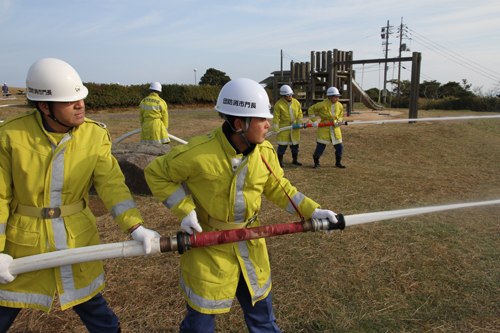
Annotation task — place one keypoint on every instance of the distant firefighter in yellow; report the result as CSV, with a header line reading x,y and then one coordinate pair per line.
x,y
153,115
287,111
330,111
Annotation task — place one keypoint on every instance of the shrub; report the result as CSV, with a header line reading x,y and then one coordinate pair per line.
x,y
109,96
471,102
105,96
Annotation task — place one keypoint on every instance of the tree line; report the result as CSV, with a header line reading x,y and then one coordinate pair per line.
x,y
435,95
432,94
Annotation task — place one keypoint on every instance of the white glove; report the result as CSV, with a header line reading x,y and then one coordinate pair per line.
x,y
324,214
315,123
190,223
5,276
145,236
336,124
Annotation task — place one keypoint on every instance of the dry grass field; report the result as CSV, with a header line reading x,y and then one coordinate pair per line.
x,y
437,272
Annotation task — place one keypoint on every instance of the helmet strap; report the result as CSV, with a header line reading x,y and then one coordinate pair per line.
x,y
51,115
240,132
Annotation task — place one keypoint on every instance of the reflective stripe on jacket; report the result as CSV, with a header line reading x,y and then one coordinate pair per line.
x,y
153,115
328,113
286,114
227,186
37,171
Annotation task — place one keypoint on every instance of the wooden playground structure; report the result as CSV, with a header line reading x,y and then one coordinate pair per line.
x,y
334,68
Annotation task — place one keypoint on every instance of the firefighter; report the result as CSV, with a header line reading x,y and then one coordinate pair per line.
x,y
49,160
330,110
153,115
227,171
287,111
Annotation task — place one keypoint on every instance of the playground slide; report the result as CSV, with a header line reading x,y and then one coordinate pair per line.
x,y
365,99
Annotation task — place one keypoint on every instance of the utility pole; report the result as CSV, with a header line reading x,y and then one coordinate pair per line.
x,y
281,65
402,47
385,35
399,69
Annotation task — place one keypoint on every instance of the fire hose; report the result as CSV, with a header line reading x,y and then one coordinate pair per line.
x,y
301,126
173,137
360,122
183,241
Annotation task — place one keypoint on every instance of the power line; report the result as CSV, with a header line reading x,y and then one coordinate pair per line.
x,y
421,74
451,57
455,59
354,41
290,57
487,75
455,53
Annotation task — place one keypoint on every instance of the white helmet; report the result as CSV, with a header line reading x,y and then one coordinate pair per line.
x,y
285,90
155,86
53,80
332,91
244,98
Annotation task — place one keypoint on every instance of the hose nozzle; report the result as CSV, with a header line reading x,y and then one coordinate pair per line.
x,y
325,224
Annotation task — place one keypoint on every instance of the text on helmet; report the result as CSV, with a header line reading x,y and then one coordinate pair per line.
x,y
44,92
243,104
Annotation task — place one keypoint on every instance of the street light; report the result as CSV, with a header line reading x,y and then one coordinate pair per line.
x,y
195,76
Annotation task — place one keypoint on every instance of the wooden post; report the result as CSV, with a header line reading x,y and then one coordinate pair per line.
x,y
329,68
275,91
312,85
415,84
334,80
350,77
323,61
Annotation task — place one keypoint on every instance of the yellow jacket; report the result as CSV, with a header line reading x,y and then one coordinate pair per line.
x,y
227,187
328,113
153,115
42,169
286,114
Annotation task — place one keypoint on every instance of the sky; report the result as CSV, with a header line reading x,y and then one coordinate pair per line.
x,y
136,42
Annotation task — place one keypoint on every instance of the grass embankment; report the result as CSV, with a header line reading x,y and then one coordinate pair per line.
x,y
437,272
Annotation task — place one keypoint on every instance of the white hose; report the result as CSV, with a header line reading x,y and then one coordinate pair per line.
x,y
286,128
360,122
134,248
356,122
173,137
394,214
80,255
177,139
128,134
